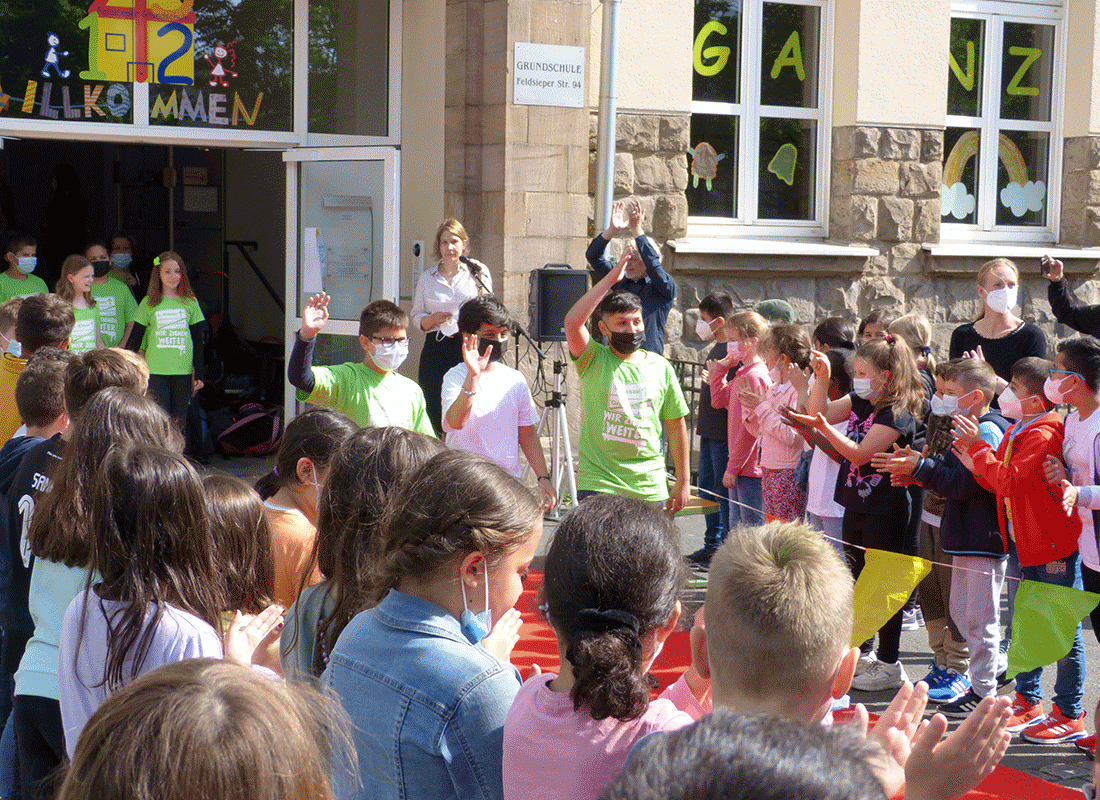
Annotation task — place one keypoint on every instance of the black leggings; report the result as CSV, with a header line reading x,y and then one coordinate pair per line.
x,y
877,532
1090,580
438,356
173,394
40,739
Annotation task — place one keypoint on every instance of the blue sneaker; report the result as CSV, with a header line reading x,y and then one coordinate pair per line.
x,y
949,686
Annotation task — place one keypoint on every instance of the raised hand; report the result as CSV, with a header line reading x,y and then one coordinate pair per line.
x,y
314,316
619,272
946,769
618,216
819,363
635,217
241,640
475,362
1055,269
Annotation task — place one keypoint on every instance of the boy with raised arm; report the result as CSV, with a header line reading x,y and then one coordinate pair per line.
x,y
371,392
487,405
627,395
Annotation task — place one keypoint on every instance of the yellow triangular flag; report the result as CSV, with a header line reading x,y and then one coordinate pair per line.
x,y
882,588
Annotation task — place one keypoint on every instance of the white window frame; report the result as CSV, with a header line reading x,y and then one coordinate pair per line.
x,y
750,111
990,124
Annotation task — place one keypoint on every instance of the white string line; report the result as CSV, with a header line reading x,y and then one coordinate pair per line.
x,y
856,546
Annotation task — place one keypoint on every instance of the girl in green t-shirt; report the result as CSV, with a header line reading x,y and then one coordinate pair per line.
x,y
168,330
75,285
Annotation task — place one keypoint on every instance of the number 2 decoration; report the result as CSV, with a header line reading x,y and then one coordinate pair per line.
x,y
139,41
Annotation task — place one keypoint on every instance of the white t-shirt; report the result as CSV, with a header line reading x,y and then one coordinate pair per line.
x,y
501,405
178,636
1077,449
822,484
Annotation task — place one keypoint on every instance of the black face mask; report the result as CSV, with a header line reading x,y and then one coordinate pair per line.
x,y
625,342
101,268
497,348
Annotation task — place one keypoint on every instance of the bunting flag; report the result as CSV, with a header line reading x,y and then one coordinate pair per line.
x,y
883,588
1044,623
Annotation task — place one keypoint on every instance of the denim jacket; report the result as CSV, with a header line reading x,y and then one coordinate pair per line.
x,y
427,707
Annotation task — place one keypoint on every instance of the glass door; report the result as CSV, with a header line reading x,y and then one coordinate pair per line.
x,y
341,239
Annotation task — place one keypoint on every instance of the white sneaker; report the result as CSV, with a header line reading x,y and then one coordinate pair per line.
x,y
865,662
880,676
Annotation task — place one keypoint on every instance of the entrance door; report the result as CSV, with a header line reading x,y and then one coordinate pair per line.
x,y
341,239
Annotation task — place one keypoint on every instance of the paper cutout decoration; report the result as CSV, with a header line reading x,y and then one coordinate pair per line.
x,y
218,71
1044,623
53,57
883,588
704,164
1020,196
782,165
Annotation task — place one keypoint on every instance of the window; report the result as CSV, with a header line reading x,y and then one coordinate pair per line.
x,y
1000,162
757,121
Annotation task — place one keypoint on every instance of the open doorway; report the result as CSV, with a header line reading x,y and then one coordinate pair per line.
x,y
223,210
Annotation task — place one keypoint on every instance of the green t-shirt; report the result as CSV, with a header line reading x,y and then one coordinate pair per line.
x,y
117,307
10,287
623,406
369,397
82,338
167,345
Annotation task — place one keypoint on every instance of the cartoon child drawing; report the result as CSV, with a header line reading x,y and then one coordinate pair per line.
x,y
53,57
218,72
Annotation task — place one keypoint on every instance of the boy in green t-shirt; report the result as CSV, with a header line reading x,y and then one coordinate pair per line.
x,y
370,393
17,280
627,396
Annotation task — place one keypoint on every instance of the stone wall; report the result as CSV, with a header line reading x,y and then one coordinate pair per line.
x,y
1081,192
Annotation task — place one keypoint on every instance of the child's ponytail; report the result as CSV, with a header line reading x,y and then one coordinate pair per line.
x,y
613,575
315,434
903,388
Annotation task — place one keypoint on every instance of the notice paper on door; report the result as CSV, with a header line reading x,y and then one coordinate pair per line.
x,y
313,260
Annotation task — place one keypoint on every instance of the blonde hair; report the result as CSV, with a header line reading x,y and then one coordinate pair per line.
x,y
210,728
748,324
9,312
988,267
779,611
455,227
64,287
916,331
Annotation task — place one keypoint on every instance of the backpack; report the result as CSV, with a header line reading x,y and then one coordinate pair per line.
x,y
256,431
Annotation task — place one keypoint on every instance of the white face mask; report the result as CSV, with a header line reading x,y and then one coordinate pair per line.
x,y
862,388
1053,389
449,328
390,356
937,406
703,330
950,405
1003,300
1012,407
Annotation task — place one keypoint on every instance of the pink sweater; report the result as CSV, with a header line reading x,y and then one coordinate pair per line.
x,y
552,752
743,432
780,444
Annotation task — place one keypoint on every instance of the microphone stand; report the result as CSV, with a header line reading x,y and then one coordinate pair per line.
x,y
475,272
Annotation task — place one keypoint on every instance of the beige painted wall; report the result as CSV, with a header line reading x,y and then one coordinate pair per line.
x,y
655,40
882,52
1082,108
422,92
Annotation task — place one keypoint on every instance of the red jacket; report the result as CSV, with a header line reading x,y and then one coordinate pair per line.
x,y
1043,532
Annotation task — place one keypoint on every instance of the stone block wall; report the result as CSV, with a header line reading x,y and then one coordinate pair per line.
x,y
1081,192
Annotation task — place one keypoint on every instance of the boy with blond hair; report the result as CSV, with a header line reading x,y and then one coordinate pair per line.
x,y
777,639
9,315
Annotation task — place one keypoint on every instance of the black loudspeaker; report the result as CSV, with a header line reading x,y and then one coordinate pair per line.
x,y
554,290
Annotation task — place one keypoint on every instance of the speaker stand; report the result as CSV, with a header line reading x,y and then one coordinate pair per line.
x,y
561,454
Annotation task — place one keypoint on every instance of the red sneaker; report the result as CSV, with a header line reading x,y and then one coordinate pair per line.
x,y
1087,746
1057,727
1024,713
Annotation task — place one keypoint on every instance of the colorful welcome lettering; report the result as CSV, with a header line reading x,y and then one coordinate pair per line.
x,y
140,41
181,106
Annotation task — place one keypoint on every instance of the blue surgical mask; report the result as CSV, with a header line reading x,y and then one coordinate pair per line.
x,y
122,260
27,264
476,627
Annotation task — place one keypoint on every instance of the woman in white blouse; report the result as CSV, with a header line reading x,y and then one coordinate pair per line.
x,y
440,292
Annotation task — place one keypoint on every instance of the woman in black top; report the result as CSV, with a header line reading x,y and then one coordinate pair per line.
x,y
1003,337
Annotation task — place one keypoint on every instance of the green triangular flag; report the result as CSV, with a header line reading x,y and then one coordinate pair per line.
x,y
882,589
1044,621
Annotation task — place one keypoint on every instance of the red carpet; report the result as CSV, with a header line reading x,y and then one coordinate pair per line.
x,y
537,645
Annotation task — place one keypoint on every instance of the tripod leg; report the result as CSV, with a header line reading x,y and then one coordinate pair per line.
x,y
563,423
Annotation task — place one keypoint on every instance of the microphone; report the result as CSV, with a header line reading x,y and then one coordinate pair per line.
x,y
474,268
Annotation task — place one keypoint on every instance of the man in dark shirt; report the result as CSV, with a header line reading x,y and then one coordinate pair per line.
x,y
645,276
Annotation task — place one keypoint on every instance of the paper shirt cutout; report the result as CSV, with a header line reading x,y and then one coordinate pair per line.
x,y
783,164
1044,623
882,589
704,164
